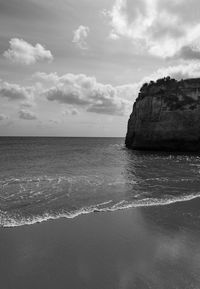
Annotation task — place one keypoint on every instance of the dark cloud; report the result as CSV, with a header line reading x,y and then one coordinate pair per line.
x,y
3,116
71,111
188,53
66,95
26,104
27,115
14,91
108,107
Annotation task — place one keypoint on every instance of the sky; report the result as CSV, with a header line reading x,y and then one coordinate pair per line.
x,y
74,67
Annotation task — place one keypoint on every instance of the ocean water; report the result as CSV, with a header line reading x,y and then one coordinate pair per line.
x,y
50,178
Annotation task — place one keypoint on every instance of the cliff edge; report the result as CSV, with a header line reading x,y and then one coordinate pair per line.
x,y
166,116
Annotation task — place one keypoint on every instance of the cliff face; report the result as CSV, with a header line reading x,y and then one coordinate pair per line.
x,y
166,116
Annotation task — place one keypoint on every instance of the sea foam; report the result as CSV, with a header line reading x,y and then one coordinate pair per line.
x,y
9,221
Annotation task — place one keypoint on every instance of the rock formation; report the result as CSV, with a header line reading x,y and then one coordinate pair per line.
x,y
166,116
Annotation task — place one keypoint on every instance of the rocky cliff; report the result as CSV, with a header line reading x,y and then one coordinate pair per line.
x,y
166,116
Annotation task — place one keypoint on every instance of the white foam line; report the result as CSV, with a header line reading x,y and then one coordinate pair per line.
x,y
118,206
104,203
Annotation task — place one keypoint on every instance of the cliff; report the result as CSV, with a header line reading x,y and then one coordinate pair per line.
x,y
166,116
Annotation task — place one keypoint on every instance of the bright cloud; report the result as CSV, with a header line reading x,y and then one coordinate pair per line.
x,y
182,71
27,115
83,91
163,28
14,92
23,52
79,92
42,76
80,37
179,72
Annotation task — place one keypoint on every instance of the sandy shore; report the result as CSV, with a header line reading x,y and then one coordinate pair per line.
x,y
152,247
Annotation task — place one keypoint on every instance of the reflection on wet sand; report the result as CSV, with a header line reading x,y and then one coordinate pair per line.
x,y
155,247
168,249
167,254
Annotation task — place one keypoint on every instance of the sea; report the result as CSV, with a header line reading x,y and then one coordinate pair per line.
x,y
44,178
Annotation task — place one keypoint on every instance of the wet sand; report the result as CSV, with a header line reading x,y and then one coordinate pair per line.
x,y
149,247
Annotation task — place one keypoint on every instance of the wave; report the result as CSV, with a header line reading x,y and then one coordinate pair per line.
x,y
9,221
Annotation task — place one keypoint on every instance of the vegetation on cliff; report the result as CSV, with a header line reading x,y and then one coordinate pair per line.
x,y
171,91
166,116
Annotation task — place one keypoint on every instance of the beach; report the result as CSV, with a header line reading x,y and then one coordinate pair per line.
x,y
146,247
86,213
100,144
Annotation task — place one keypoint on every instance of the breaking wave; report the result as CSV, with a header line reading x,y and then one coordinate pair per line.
x,y
6,220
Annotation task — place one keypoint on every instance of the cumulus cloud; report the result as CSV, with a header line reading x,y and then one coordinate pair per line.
x,y
105,100
128,91
80,37
182,71
3,116
163,28
125,91
84,91
81,92
71,111
42,76
27,115
23,52
26,104
15,92
67,94
54,121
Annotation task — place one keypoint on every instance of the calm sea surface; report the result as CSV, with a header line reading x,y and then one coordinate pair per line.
x,y
49,178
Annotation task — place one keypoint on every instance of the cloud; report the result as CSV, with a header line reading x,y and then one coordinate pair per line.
x,y
80,37
23,52
182,71
14,92
54,121
3,116
79,92
84,91
163,28
128,91
42,76
27,115
26,104
188,53
71,111
67,94
104,100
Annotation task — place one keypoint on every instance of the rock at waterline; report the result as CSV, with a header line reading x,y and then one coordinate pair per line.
x,y
166,116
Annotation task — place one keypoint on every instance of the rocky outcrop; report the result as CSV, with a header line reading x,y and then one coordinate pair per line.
x,y
166,116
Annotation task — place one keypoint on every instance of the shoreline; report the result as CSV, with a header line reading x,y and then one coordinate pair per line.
x,y
94,209
133,248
